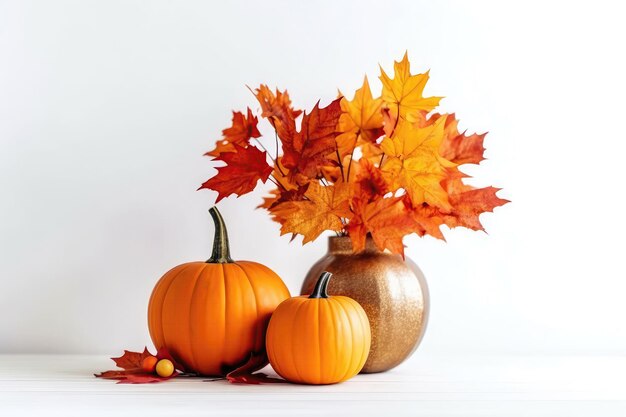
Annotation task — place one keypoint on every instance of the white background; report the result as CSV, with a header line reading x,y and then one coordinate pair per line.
x,y
107,107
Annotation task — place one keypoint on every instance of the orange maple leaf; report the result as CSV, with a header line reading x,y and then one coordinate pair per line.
x,y
277,197
281,175
468,203
243,129
270,200
403,93
371,151
386,219
324,209
427,225
459,147
286,190
244,168
370,183
276,107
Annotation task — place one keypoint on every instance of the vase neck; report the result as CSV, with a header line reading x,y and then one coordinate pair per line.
x,y
343,245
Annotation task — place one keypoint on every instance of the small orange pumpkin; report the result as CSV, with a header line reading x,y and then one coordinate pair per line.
x,y
318,339
211,316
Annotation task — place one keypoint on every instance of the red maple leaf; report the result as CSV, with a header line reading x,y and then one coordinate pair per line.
x,y
306,151
131,360
243,129
131,371
244,168
131,368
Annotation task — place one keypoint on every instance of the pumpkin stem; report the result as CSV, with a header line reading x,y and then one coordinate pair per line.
x,y
221,250
320,287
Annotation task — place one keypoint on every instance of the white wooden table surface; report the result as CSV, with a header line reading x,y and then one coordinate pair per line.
x,y
63,385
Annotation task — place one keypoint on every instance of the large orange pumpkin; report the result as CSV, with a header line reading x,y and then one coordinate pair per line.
x,y
212,316
318,339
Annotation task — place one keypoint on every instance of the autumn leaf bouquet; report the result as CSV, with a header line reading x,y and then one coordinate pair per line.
x,y
384,166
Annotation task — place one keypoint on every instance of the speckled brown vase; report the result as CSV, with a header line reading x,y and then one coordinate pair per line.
x,y
392,292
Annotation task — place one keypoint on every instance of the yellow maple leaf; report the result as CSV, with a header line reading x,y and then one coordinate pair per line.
x,y
403,93
362,115
411,141
414,163
360,124
371,152
324,209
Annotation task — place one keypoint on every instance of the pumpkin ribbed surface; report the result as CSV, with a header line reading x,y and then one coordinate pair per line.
x,y
318,340
212,316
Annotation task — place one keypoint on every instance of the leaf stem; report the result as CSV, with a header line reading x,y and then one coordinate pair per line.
x,y
276,182
276,160
343,177
352,153
380,163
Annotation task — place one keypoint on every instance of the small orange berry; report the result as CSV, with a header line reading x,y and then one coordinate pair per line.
x,y
164,368
149,363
